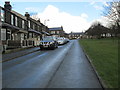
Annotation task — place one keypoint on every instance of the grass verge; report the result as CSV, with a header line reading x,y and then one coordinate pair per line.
x,y
104,56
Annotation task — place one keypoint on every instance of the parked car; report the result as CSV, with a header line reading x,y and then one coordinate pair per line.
x,y
62,40
49,42
67,40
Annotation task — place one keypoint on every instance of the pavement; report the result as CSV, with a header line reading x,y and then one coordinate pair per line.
x,y
18,53
64,67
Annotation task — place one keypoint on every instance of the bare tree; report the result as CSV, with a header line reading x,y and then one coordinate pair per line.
x,y
112,11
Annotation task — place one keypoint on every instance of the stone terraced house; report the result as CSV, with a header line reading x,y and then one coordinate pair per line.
x,y
18,31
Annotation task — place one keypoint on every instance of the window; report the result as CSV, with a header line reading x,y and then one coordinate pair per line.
x,y
22,36
33,26
25,36
16,21
33,35
29,24
8,34
23,24
3,34
30,35
57,32
12,20
52,32
2,15
38,28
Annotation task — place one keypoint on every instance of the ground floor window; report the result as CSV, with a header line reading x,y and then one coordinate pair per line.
x,y
30,35
14,36
38,38
8,34
52,32
22,36
3,34
41,37
25,36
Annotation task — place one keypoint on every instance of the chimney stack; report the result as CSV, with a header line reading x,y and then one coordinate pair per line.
x,y
38,20
27,14
7,5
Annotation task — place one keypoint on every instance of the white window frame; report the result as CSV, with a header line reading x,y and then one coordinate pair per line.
x,y
29,24
2,15
58,32
23,24
3,34
30,35
16,21
22,36
12,21
52,32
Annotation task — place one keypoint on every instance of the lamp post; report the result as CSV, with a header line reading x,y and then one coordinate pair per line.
x,y
44,27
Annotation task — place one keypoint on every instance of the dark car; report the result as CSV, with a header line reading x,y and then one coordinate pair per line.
x,y
49,42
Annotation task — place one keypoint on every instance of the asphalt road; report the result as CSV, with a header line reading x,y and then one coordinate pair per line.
x,y
64,67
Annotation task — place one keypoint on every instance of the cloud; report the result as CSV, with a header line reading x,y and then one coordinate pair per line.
x,y
92,2
68,21
84,15
98,7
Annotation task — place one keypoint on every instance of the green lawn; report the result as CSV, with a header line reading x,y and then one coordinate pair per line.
x,y
104,56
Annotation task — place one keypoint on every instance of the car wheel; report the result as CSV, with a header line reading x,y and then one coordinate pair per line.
x,y
53,48
56,45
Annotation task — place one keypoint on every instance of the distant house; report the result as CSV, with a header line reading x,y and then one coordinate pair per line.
x,y
57,31
74,35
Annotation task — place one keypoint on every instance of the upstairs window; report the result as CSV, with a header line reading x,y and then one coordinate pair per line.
x,y
2,15
29,24
23,24
33,26
12,21
38,28
16,21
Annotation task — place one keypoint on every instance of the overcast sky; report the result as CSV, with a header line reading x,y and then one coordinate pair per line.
x,y
73,16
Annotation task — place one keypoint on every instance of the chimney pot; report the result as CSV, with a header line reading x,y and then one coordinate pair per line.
x,y
7,5
27,14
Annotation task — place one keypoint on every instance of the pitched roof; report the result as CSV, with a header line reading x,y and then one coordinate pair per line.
x,y
56,28
18,14
77,33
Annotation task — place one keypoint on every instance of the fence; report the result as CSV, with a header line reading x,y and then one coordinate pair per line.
x,y
9,44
